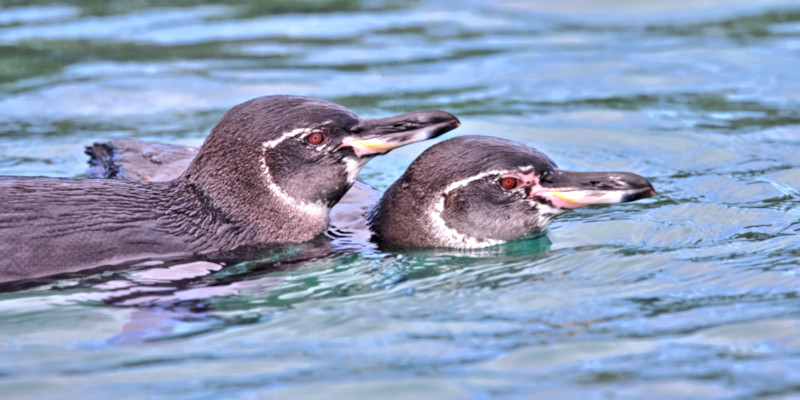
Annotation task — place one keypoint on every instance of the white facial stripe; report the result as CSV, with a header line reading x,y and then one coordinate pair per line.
x,y
353,167
452,237
315,209
271,144
298,133
466,181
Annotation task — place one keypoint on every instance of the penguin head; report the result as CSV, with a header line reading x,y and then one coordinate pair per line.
x,y
479,191
304,152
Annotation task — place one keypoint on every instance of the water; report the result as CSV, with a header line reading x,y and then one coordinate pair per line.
x,y
690,294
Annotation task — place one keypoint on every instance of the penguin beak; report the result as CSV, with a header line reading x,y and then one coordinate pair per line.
x,y
570,189
379,136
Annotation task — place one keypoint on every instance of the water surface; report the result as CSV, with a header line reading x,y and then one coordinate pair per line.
x,y
690,294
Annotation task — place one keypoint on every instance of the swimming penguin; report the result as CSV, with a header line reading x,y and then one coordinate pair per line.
x,y
269,172
465,192
480,191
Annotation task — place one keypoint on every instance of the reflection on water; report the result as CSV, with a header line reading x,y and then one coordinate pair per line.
x,y
692,293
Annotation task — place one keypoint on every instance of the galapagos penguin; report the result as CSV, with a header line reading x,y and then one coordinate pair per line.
x,y
269,172
480,191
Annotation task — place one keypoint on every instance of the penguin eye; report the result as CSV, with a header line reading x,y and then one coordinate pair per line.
x,y
315,138
509,183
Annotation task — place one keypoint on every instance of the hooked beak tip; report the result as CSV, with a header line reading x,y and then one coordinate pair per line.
x,y
379,136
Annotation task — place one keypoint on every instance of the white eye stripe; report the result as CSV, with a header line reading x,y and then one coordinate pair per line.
x,y
300,133
271,144
497,172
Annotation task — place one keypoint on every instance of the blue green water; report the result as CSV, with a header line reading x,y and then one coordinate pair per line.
x,y
690,294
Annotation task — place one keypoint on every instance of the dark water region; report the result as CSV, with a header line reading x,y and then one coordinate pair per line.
x,y
690,294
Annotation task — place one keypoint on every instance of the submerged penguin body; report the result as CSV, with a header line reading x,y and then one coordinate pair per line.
x,y
58,225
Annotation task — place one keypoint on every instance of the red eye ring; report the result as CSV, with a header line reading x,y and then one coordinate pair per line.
x,y
508,183
315,138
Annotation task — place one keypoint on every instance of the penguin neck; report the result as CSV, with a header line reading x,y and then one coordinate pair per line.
x,y
231,210
398,217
